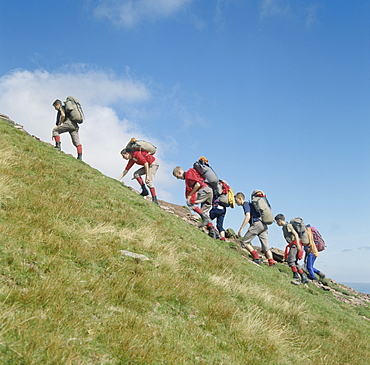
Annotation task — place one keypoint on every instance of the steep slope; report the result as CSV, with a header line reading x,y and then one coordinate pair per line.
x,y
69,296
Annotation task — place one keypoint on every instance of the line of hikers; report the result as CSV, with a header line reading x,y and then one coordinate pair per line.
x,y
204,188
201,189
209,197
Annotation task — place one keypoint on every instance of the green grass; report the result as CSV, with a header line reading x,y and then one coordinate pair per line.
x,y
68,296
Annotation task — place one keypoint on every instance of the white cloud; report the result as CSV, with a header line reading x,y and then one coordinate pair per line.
x,y
273,8
311,15
129,12
290,10
27,97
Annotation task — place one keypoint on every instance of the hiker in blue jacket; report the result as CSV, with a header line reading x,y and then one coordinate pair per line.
x,y
218,212
256,228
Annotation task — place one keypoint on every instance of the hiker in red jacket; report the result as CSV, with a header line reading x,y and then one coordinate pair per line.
x,y
64,124
149,169
294,249
197,191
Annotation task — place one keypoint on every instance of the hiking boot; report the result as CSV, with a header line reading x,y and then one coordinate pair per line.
x,y
295,282
154,200
304,278
296,276
257,261
58,146
217,234
144,191
205,220
322,275
213,233
79,156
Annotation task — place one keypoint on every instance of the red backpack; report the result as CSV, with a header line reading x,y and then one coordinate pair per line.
x,y
319,241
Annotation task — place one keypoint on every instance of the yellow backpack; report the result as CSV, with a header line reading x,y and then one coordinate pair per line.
x,y
226,198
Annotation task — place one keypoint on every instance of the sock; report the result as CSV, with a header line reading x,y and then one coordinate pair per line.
x,y
271,261
57,138
294,268
79,148
198,210
255,255
152,192
223,239
209,225
140,180
300,271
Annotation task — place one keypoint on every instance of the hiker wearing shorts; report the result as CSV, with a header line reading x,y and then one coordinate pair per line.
x,y
294,250
63,125
149,169
256,228
197,191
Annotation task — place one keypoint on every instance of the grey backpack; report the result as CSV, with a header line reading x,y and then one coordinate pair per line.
x,y
73,110
298,225
262,206
208,174
137,145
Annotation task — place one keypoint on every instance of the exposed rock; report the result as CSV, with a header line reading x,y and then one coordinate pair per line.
x,y
134,255
277,254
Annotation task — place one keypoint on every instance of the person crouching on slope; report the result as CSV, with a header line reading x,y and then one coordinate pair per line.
x,y
149,169
294,251
256,228
197,191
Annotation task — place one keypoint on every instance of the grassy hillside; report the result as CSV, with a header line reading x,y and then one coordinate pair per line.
x,y
68,296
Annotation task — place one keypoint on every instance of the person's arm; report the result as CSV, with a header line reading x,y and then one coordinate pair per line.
x,y
297,240
124,173
245,222
147,173
62,116
130,163
196,187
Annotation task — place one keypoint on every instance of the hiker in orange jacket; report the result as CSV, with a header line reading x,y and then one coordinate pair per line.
x,y
64,124
149,169
197,191
294,250
311,254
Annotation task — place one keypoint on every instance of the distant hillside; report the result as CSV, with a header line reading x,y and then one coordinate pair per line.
x,y
71,294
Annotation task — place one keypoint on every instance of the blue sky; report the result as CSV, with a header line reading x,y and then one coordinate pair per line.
x,y
275,93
